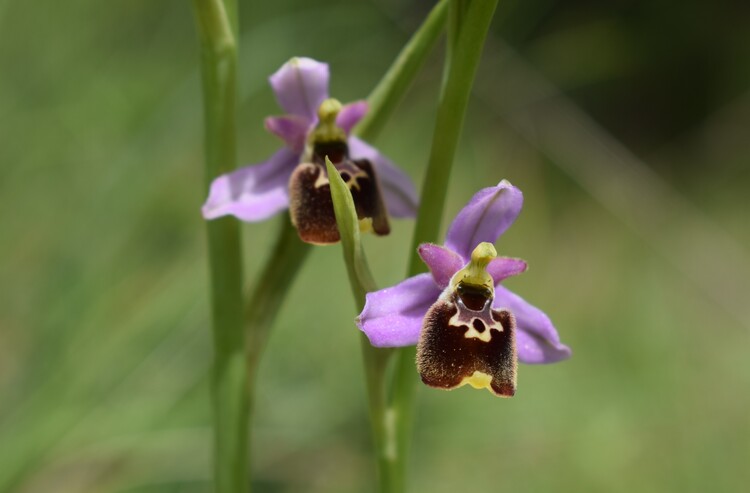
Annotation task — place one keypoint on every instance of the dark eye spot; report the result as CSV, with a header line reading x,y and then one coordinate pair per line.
x,y
478,325
474,297
345,176
337,152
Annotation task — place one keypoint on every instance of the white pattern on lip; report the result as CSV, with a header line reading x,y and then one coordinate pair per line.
x,y
466,317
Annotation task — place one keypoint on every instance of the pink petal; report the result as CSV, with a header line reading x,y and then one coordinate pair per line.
x,y
301,84
253,193
351,114
290,128
392,317
504,267
442,262
536,337
487,215
398,190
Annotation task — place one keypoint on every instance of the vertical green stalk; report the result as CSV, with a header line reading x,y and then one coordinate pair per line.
x,y
233,393
392,86
216,20
375,359
468,24
465,49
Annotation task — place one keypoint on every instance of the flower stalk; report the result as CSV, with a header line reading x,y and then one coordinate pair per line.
x,y
218,47
375,359
391,402
393,85
468,24
465,49
234,376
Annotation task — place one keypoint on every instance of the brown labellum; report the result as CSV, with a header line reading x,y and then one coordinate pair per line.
x,y
465,341
311,206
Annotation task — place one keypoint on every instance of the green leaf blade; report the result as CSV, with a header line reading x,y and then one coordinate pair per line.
x,y
360,276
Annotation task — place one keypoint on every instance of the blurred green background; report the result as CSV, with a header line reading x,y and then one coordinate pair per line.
x,y
626,125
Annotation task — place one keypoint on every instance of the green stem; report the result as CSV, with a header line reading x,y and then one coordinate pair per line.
x,y
452,28
467,30
375,359
462,66
391,409
215,23
218,43
394,84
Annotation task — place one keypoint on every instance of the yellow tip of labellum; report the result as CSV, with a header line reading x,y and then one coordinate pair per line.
x,y
478,380
476,270
365,225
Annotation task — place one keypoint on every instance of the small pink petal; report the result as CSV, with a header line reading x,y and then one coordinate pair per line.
x,y
442,262
351,114
504,267
291,129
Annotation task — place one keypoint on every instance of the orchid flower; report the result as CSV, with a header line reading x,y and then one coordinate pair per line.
x,y
468,328
313,128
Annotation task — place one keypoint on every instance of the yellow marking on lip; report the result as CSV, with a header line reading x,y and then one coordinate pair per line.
x,y
478,380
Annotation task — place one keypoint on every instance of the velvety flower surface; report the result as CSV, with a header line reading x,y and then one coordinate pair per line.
x,y
257,192
395,316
